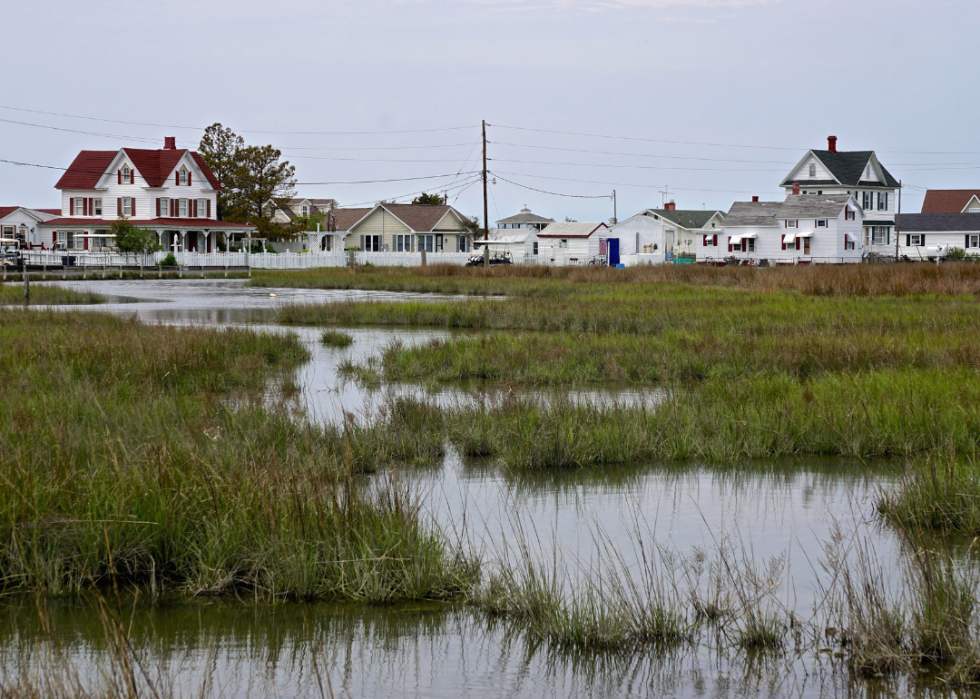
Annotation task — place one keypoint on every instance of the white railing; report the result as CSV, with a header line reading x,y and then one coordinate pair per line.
x,y
87,258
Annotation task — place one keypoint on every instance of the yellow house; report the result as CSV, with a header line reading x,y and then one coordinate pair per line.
x,y
404,228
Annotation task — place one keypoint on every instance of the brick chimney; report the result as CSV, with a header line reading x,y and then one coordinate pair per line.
x,y
796,188
170,143
832,144
670,206
755,199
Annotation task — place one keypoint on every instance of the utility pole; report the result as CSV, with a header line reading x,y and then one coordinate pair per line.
x,y
615,219
486,223
898,220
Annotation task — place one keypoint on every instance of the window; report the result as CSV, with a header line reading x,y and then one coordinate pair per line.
x,y
127,206
182,176
182,210
164,207
974,211
403,243
792,224
850,215
848,242
821,224
202,208
535,247
819,192
866,200
750,242
916,240
813,170
371,243
79,206
127,175
973,241
97,206
306,210
806,246
429,243
882,201
462,243
563,243
880,235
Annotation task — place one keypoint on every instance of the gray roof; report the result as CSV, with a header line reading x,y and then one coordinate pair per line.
x,y
752,213
848,167
525,217
813,206
570,229
952,223
687,218
796,206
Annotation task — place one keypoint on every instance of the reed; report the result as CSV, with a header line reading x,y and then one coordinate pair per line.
x,y
46,295
336,338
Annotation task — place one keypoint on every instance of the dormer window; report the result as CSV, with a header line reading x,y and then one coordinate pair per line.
x,y
127,175
182,176
306,210
813,170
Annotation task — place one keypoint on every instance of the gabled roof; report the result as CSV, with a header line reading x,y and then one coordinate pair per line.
x,y
524,217
155,166
5,211
752,213
36,214
686,218
420,217
296,201
847,166
797,206
947,201
510,236
570,229
346,218
952,223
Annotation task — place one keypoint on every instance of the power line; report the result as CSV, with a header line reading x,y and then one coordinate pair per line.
x,y
643,155
632,167
401,179
621,184
557,194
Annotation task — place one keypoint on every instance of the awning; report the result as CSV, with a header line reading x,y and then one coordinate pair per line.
x,y
849,237
750,235
735,239
8,240
95,235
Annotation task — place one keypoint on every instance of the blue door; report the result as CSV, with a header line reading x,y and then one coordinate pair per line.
x,y
612,245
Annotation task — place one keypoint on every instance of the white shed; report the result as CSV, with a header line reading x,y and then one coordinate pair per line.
x,y
518,243
572,243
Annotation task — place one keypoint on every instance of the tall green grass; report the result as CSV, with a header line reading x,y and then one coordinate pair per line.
x,y
156,456
46,295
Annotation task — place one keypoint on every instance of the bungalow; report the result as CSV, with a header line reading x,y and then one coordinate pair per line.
x,y
573,243
853,173
525,219
404,228
805,228
516,243
18,223
922,235
951,201
658,234
295,208
170,191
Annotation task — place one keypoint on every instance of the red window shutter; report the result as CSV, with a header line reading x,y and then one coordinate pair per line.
x,y
91,207
177,177
784,241
158,207
132,207
173,208
704,240
54,237
119,207
209,209
714,240
71,206
729,245
85,245
118,176
188,178
195,207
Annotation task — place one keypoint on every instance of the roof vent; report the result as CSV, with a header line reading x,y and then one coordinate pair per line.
x,y
170,143
755,199
796,188
670,206
832,144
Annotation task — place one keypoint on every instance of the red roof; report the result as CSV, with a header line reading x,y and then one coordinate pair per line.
x,y
154,223
56,212
5,211
948,201
154,165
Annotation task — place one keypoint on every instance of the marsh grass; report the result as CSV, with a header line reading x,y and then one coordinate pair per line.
x,y
336,338
146,455
46,295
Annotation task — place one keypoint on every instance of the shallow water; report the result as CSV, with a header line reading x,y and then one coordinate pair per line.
x,y
758,513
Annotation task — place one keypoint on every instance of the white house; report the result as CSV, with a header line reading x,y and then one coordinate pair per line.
x,y
572,243
656,235
803,229
18,225
858,174
170,191
299,207
514,242
922,235
404,228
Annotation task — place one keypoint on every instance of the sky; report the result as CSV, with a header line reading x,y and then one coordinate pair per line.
x,y
703,102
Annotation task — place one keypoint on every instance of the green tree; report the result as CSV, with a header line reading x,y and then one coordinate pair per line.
x,y
251,176
430,199
130,238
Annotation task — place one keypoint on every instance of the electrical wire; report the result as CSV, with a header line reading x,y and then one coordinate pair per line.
x,y
643,155
557,194
400,179
628,167
617,184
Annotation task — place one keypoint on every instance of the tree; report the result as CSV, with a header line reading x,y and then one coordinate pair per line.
x,y
130,238
219,148
252,176
430,199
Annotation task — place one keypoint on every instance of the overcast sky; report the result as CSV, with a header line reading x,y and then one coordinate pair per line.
x,y
746,85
